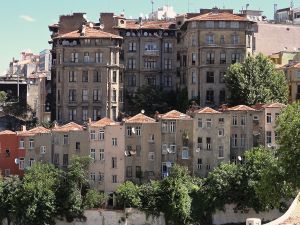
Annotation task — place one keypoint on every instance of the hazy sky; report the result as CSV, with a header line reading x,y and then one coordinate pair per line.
x,y
25,22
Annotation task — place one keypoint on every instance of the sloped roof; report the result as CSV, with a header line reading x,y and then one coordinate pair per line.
x,y
148,25
174,114
220,16
207,110
103,122
90,32
241,108
68,127
292,65
5,132
39,130
269,105
140,118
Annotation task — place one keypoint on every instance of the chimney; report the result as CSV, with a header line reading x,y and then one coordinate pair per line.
x,y
24,128
89,120
55,124
156,116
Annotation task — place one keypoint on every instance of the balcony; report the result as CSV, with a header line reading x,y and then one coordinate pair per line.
x,y
151,52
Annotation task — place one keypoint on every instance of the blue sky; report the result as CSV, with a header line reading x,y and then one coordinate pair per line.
x,y
25,22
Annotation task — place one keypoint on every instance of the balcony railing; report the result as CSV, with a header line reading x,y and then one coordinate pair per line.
x,y
151,52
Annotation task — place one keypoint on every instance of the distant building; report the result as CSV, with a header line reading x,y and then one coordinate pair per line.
x,y
289,15
165,12
45,62
253,15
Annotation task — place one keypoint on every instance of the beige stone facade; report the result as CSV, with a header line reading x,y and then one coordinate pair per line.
x,y
292,72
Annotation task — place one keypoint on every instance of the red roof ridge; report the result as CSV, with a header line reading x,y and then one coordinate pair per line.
x,y
207,110
71,126
219,16
103,122
241,108
174,114
7,132
140,118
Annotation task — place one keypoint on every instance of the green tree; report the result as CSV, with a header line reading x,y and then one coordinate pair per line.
x,y
288,129
94,199
128,195
256,81
3,97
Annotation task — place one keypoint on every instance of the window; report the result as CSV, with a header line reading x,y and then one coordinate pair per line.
x,y
93,154
101,135
56,159
22,144
150,63
234,140
222,96
85,95
151,156
31,143
21,164
72,114
132,46
210,58
100,177
101,154
97,77
66,139
114,141
138,131
234,120
138,172
114,77
235,39
199,164
96,114
185,153
98,57
172,127
222,24
234,24
168,64
138,150
131,80
168,81
129,171
269,118
210,77
167,47
199,145
31,162
74,57
269,137
77,146
92,176
93,135
114,179
172,148
194,41
210,96
129,131
150,46
65,159
7,172
84,114
96,95
200,125
207,166
221,77
221,120
87,41
276,116
164,127
151,138
243,140
243,120
194,58
235,57
222,58
209,39
221,152
85,76
114,95
208,123
222,39
72,76
209,24
114,112
194,24
72,95
42,150
86,57
208,143
194,77
131,64
221,132
114,162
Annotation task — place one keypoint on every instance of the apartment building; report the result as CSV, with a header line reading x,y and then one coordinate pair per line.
x,y
292,72
211,140
149,53
106,148
142,148
176,140
86,72
211,42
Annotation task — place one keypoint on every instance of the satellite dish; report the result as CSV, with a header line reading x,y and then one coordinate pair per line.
x,y
142,111
269,145
169,164
168,150
197,149
17,161
239,158
125,153
133,130
101,26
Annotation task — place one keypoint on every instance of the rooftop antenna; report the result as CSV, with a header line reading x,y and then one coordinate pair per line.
x,y
292,4
188,6
247,5
152,3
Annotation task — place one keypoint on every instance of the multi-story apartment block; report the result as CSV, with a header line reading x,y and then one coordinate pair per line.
x,y
149,53
211,42
292,72
211,140
86,72
176,140
106,148
142,148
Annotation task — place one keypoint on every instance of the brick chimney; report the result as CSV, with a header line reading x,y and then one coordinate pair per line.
x,y
24,128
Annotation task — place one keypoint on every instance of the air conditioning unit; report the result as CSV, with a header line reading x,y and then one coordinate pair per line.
x,y
253,221
43,150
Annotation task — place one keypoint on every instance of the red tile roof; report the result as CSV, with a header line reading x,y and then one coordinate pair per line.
x,y
140,118
269,105
68,127
7,132
241,108
39,130
220,16
174,115
103,122
148,25
90,32
292,65
207,110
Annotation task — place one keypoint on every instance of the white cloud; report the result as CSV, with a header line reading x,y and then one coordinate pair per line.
x,y
27,18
